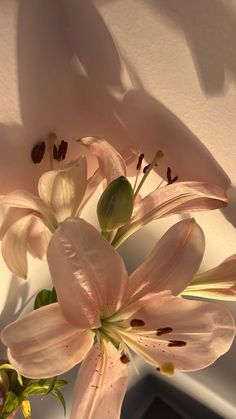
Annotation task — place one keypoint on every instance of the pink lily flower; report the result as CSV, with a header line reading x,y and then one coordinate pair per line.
x,y
174,198
102,313
62,193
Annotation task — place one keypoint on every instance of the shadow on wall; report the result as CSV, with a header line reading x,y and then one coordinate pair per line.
x,y
210,30
67,63
70,81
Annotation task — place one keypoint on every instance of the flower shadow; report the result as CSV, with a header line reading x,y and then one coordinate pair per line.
x,y
154,126
71,80
209,27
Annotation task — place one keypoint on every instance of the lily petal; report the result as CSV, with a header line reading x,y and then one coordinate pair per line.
x,y
111,162
101,384
14,246
128,154
38,239
177,198
92,183
63,190
180,197
218,283
10,216
24,199
43,344
172,263
188,334
89,276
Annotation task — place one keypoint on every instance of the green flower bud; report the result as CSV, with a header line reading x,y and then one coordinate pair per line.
x,y
115,205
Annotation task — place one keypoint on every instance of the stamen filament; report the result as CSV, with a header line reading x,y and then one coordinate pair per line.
x,y
157,157
136,180
138,168
52,138
126,350
163,180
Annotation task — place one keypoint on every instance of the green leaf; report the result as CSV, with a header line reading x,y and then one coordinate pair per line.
x,y
34,389
51,386
42,387
59,396
5,367
10,405
4,381
60,383
45,297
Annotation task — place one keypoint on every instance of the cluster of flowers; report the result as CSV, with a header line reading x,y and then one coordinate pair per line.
x,y
95,312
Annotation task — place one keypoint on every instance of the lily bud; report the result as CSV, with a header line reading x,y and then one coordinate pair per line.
x,y
115,205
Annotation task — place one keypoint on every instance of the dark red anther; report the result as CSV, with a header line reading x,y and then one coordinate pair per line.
x,y
174,179
140,159
168,174
136,323
124,359
164,330
37,152
63,149
169,178
177,343
59,153
55,153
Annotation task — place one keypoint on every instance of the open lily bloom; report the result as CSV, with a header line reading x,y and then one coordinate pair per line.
x,y
102,313
174,198
62,194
